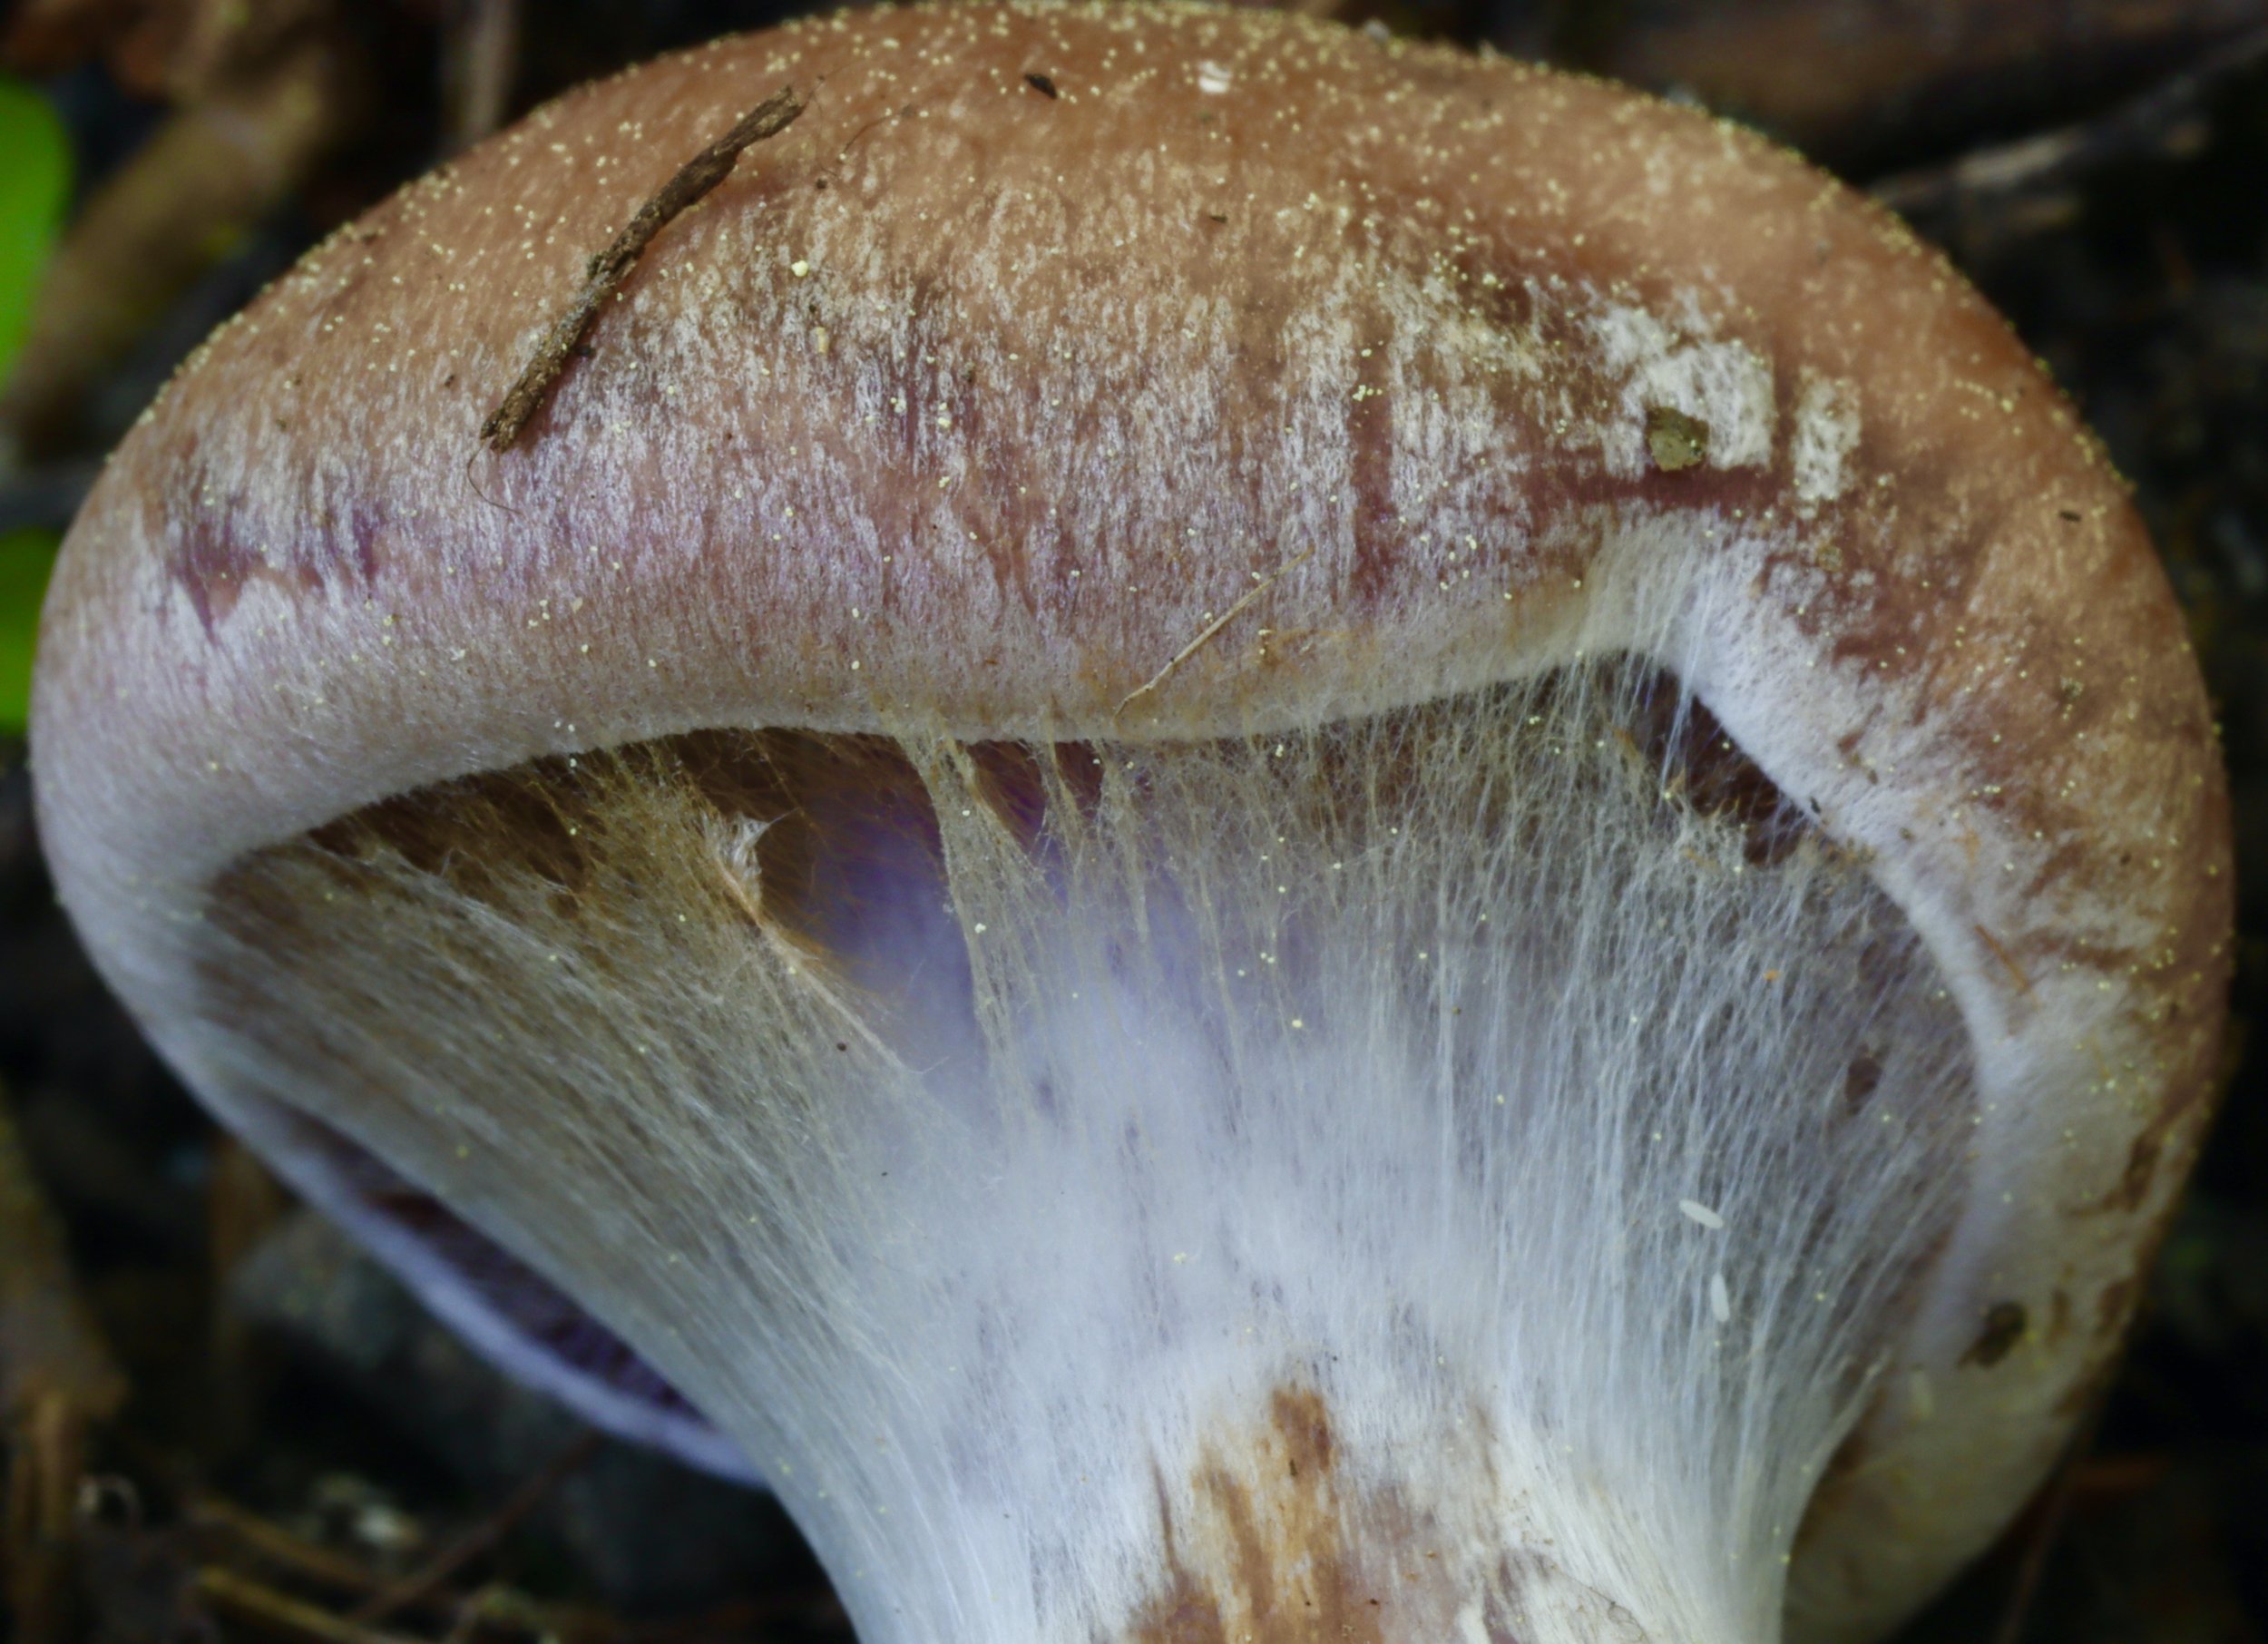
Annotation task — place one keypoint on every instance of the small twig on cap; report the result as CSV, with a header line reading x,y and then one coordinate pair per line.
x,y
1212,628
608,269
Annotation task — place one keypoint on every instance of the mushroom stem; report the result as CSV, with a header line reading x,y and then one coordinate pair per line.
x,y
1447,1174
1628,1018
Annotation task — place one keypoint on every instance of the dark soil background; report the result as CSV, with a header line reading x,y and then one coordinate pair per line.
x,y
222,1423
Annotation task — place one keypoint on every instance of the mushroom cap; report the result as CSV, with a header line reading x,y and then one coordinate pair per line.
x,y
1042,338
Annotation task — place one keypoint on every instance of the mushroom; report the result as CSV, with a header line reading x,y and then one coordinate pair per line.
x,y
1257,834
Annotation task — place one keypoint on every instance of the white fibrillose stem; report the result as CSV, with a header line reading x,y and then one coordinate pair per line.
x,y
1398,1181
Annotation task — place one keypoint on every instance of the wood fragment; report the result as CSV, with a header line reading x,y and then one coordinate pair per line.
x,y
275,1615
2048,159
1212,628
230,1537
606,271
430,1576
2048,1520
56,1379
48,1340
483,46
243,1203
232,1534
1675,441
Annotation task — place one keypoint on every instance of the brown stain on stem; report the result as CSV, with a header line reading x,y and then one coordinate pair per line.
x,y
1275,1546
2000,951
2135,1180
2006,1324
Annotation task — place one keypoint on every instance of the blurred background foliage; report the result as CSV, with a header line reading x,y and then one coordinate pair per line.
x,y
304,1456
34,182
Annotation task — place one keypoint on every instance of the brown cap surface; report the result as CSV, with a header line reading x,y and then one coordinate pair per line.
x,y
1044,337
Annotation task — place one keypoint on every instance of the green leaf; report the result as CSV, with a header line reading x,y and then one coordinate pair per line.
x,y
26,559
34,181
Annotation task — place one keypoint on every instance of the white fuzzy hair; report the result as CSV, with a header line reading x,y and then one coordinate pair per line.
x,y
981,1161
